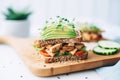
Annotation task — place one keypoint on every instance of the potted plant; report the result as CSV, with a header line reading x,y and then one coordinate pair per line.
x,y
16,23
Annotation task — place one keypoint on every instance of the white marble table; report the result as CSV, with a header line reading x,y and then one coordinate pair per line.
x,y
12,67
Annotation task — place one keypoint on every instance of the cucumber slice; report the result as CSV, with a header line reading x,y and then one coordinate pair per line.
x,y
108,44
102,51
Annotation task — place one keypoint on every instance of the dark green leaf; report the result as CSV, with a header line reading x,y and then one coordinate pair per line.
x,y
11,11
57,53
45,28
58,16
62,28
72,25
84,48
73,19
53,22
66,53
63,18
58,26
14,15
66,20
46,22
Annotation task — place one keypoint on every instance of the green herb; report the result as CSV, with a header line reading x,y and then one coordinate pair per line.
x,y
84,48
58,26
60,21
66,20
72,25
46,22
66,53
62,28
73,19
53,22
50,18
62,18
57,54
58,16
38,49
45,28
12,14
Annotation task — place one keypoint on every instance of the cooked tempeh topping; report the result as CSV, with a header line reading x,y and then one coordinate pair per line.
x,y
55,48
71,44
91,36
63,48
73,51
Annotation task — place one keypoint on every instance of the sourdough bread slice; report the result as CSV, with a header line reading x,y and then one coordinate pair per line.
x,y
42,43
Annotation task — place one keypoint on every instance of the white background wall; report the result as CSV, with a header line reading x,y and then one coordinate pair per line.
x,y
107,11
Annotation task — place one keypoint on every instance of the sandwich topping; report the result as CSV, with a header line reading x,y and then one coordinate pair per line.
x,y
62,49
90,32
59,42
60,28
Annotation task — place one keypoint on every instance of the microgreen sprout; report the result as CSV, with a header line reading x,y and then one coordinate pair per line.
x,y
60,22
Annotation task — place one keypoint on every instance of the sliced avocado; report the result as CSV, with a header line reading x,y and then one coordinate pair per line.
x,y
52,32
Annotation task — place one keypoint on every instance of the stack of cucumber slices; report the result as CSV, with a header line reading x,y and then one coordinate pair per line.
x,y
106,47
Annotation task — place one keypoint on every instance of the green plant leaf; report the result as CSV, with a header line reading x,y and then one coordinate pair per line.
x,y
11,11
15,15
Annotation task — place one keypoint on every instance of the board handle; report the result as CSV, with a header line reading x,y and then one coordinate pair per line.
x,y
7,39
12,41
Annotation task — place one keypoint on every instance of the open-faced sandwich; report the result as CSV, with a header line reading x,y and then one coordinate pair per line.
x,y
59,42
90,32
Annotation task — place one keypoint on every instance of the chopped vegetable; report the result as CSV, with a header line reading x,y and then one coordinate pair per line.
x,y
58,53
109,44
37,48
66,53
83,49
102,51
44,53
106,47
79,53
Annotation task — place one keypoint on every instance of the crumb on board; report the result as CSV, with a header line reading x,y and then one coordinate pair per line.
x,y
19,62
21,76
58,77
44,65
67,74
3,66
86,77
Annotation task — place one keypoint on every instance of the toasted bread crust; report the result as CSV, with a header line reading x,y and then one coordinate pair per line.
x,y
65,58
42,43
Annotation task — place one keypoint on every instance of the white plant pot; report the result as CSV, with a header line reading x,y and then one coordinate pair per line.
x,y
18,28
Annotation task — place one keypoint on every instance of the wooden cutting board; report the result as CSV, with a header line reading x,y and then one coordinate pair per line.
x,y
25,50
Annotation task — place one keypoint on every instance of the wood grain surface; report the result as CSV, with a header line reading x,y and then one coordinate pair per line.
x,y
33,61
